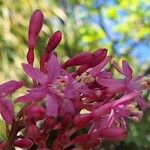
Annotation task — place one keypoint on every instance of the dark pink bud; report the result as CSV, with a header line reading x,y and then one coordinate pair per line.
x,y
35,26
35,112
53,41
84,58
24,143
52,44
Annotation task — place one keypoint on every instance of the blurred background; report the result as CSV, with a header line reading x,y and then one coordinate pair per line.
x,y
121,26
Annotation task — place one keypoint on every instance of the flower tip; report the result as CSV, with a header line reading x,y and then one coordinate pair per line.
x,y
37,11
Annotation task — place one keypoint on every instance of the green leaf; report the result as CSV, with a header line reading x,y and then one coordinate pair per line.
x,y
3,136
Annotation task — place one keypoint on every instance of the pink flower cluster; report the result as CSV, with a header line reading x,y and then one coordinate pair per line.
x,y
67,102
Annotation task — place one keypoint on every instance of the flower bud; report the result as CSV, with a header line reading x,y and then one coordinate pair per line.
x,y
35,112
53,41
52,44
35,26
24,143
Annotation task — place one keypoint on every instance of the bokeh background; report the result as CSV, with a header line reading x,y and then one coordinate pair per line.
x,y
121,26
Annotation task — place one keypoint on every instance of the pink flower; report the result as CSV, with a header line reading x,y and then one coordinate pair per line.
x,y
6,107
127,85
51,87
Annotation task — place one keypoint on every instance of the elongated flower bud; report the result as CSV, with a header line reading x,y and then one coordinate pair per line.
x,y
35,26
53,42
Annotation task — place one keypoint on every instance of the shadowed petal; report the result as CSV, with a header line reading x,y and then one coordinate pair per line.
x,y
127,71
6,110
113,134
53,68
10,86
68,106
35,74
96,70
51,105
143,103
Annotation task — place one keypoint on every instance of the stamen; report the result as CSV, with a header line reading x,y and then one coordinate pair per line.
x,y
145,83
85,78
136,114
58,87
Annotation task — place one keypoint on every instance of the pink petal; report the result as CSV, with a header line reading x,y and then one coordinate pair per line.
x,y
51,105
35,74
68,106
53,68
126,99
10,86
96,70
34,95
6,110
113,134
127,71
24,143
105,74
111,83
102,110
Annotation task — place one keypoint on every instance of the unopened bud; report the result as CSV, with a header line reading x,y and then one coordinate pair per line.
x,y
53,41
35,26
24,143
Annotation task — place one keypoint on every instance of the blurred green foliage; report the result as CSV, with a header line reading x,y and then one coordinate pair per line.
x,y
119,25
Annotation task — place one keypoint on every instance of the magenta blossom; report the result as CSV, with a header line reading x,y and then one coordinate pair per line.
x,y
52,87
6,106
77,108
